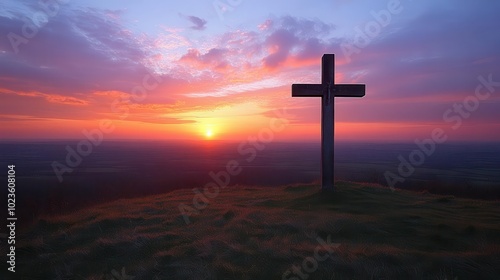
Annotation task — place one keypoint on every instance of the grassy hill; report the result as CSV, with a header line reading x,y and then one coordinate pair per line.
x,y
293,232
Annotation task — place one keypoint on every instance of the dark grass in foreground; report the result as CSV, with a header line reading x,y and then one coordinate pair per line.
x,y
261,233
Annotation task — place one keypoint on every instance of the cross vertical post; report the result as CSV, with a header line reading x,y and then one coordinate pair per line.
x,y
327,123
327,90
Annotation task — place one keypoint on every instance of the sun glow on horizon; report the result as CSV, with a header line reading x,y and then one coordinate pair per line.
x,y
209,133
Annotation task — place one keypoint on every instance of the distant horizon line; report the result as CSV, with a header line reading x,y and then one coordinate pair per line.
x,y
39,140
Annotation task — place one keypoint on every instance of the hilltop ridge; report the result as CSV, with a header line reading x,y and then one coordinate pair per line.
x,y
362,231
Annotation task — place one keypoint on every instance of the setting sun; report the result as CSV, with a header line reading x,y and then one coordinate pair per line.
x,y
209,133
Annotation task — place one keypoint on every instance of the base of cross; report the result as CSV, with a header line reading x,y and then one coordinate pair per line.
x,y
327,90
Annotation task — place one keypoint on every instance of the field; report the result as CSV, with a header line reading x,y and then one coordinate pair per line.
x,y
294,232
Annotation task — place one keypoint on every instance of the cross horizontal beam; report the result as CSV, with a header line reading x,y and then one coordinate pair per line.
x,y
319,90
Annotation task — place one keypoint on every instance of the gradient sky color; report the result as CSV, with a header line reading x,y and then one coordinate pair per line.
x,y
224,66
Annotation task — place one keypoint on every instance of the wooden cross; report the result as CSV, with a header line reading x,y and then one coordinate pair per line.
x,y
327,90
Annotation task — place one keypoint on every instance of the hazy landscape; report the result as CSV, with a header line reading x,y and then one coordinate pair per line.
x,y
120,169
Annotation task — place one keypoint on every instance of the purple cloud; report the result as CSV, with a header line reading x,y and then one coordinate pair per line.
x,y
290,36
198,23
280,42
77,51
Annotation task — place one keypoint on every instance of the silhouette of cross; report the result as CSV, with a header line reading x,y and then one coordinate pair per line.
x,y
327,90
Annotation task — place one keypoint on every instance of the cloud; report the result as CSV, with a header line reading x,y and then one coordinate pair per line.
x,y
294,40
433,54
198,23
76,51
279,44
214,57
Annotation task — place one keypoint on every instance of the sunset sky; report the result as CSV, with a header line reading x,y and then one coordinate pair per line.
x,y
220,69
